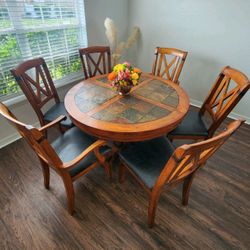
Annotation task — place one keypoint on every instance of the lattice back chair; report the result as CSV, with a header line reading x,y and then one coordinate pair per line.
x,y
169,63
228,89
95,60
71,155
230,86
36,83
180,164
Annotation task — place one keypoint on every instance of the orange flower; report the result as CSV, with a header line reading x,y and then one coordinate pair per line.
x,y
136,70
111,76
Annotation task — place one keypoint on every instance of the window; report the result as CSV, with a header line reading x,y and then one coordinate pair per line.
x,y
52,29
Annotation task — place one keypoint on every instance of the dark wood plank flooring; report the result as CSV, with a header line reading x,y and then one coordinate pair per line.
x,y
112,216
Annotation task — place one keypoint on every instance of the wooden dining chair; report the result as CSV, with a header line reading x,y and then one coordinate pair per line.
x,y
72,155
169,63
155,164
228,89
95,60
36,83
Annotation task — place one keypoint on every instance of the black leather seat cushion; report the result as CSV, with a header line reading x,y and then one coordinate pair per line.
x,y
147,159
70,144
55,111
192,125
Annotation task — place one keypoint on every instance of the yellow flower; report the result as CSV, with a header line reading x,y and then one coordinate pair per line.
x,y
134,76
118,67
134,82
123,83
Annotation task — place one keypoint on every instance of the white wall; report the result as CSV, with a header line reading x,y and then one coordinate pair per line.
x,y
97,10
215,33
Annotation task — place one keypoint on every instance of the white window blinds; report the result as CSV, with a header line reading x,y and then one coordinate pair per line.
x,y
52,29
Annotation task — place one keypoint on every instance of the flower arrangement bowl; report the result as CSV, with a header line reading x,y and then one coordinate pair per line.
x,y
124,77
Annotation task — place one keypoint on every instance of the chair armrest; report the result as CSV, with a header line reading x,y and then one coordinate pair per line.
x,y
84,153
53,123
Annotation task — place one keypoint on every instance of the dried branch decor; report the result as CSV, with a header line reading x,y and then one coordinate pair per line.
x,y
118,48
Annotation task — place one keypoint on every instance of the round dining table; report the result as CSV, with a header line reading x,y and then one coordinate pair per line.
x,y
153,108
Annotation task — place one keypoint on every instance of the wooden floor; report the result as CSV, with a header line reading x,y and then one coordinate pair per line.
x,y
112,216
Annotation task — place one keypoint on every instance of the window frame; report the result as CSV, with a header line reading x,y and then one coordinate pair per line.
x,y
21,31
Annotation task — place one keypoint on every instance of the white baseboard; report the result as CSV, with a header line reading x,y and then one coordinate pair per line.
x,y
232,115
14,137
9,139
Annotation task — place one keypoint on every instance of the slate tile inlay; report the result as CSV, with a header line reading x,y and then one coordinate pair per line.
x,y
130,110
90,96
103,79
158,91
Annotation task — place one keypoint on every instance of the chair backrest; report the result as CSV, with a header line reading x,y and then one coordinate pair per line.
x,y
36,83
95,60
34,137
188,158
227,91
169,63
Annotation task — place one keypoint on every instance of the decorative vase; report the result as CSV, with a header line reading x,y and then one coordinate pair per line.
x,y
124,90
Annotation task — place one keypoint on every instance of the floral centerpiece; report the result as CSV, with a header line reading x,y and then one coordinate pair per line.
x,y
124,77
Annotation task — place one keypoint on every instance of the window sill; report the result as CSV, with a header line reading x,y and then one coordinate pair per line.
x,y
71,79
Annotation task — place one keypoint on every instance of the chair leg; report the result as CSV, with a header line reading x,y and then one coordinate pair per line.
x,y
105,162
45,132
153,202
68,184
170,138
186,189
122,173
108,170
62,129
46,173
